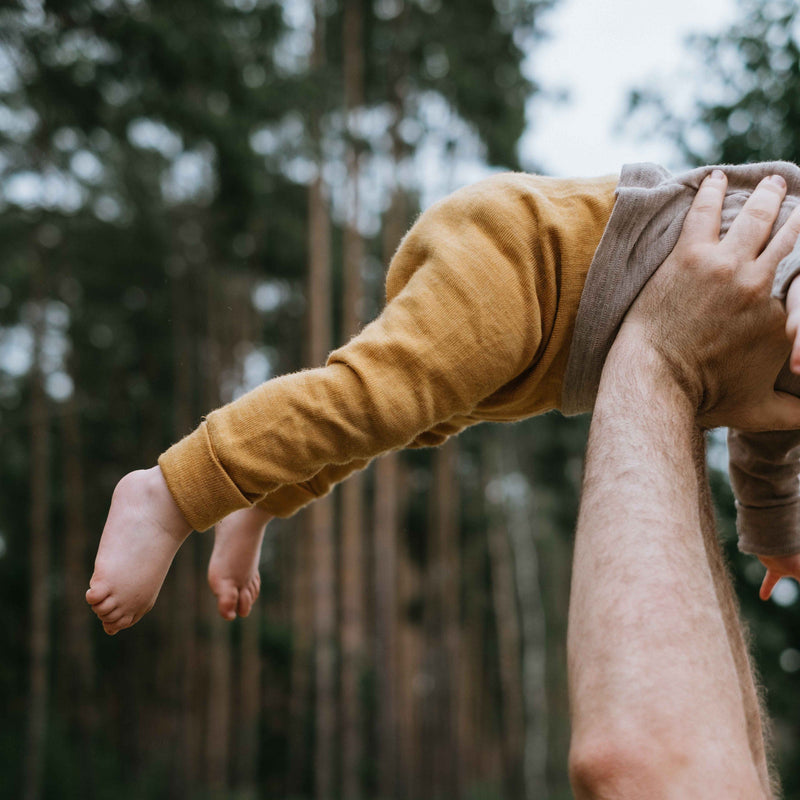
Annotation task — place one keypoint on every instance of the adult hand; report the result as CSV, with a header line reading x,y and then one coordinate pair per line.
x,y
708,314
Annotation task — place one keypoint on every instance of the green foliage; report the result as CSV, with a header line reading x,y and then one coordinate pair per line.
x,y
746,107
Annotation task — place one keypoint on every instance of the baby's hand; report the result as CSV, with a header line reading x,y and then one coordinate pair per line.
x,y
793,323
778,567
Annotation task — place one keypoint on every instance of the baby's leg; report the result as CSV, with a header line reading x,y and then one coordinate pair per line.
x,y
143,532
233,568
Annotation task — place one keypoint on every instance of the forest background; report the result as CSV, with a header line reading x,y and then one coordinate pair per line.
x,y
195,196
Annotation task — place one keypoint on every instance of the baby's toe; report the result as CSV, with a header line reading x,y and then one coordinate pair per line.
x,y
113,617
245,602
247,597
104,608
96,593
227,599
125,622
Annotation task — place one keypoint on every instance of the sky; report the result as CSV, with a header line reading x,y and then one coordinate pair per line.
x,y
598,51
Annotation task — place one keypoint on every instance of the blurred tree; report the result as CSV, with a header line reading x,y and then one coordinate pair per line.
x,y
353,624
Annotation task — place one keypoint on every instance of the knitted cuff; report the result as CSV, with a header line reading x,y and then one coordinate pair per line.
x,y
199,484
769,531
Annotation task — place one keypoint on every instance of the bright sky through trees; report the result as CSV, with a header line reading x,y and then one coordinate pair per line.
x,y
597,52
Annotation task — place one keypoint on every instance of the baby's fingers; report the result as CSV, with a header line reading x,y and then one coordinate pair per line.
x,y
768,584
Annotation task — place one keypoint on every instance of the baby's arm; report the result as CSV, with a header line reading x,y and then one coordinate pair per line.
x,y
764,475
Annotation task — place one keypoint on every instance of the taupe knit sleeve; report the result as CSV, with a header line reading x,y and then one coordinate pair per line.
x,y
764,470
765,477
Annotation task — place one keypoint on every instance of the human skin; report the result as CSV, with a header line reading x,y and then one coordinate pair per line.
x,y
655,696
662,696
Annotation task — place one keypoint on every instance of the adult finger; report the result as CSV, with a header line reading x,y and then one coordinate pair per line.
x,y
703,221
782,243
750,230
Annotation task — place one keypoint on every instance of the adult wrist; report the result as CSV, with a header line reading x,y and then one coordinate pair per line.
x,y
641,368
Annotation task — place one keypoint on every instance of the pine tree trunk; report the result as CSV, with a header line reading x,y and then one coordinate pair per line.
x,y
446,530
39,626
302,622
249,670
352,508
386,622
413,684
79,665
186,581
520,511
321,512
395,737
218,724
506,623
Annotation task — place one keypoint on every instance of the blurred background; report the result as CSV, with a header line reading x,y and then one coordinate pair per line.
x,y
195,196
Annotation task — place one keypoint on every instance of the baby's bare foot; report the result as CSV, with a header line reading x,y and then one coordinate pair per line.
x,y
143,532
233,568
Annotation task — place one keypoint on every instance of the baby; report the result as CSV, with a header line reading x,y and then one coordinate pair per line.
x,y
502,303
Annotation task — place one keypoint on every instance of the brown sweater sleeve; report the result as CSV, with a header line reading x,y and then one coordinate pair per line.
x,y
462,320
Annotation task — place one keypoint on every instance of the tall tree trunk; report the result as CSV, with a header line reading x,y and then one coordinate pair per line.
x,y
352,508
77,622
186,581
520,511
321,512
39,572
446,530
250,705
506,621
217,739
386,622
249,666
413,681
394,752
302,622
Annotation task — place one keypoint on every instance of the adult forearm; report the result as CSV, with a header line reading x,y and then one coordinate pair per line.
x,y
651,672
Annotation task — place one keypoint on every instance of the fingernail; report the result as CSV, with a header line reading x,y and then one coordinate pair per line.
x,y
778,180
717,175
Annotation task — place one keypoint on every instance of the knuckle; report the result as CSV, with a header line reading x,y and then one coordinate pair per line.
x,y
695,256
721,271
751,289
762,215
792,225
704,205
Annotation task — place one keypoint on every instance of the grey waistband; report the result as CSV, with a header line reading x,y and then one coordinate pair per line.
x,y
644,226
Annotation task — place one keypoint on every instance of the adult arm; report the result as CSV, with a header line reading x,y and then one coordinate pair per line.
x,y
654,692
660,706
